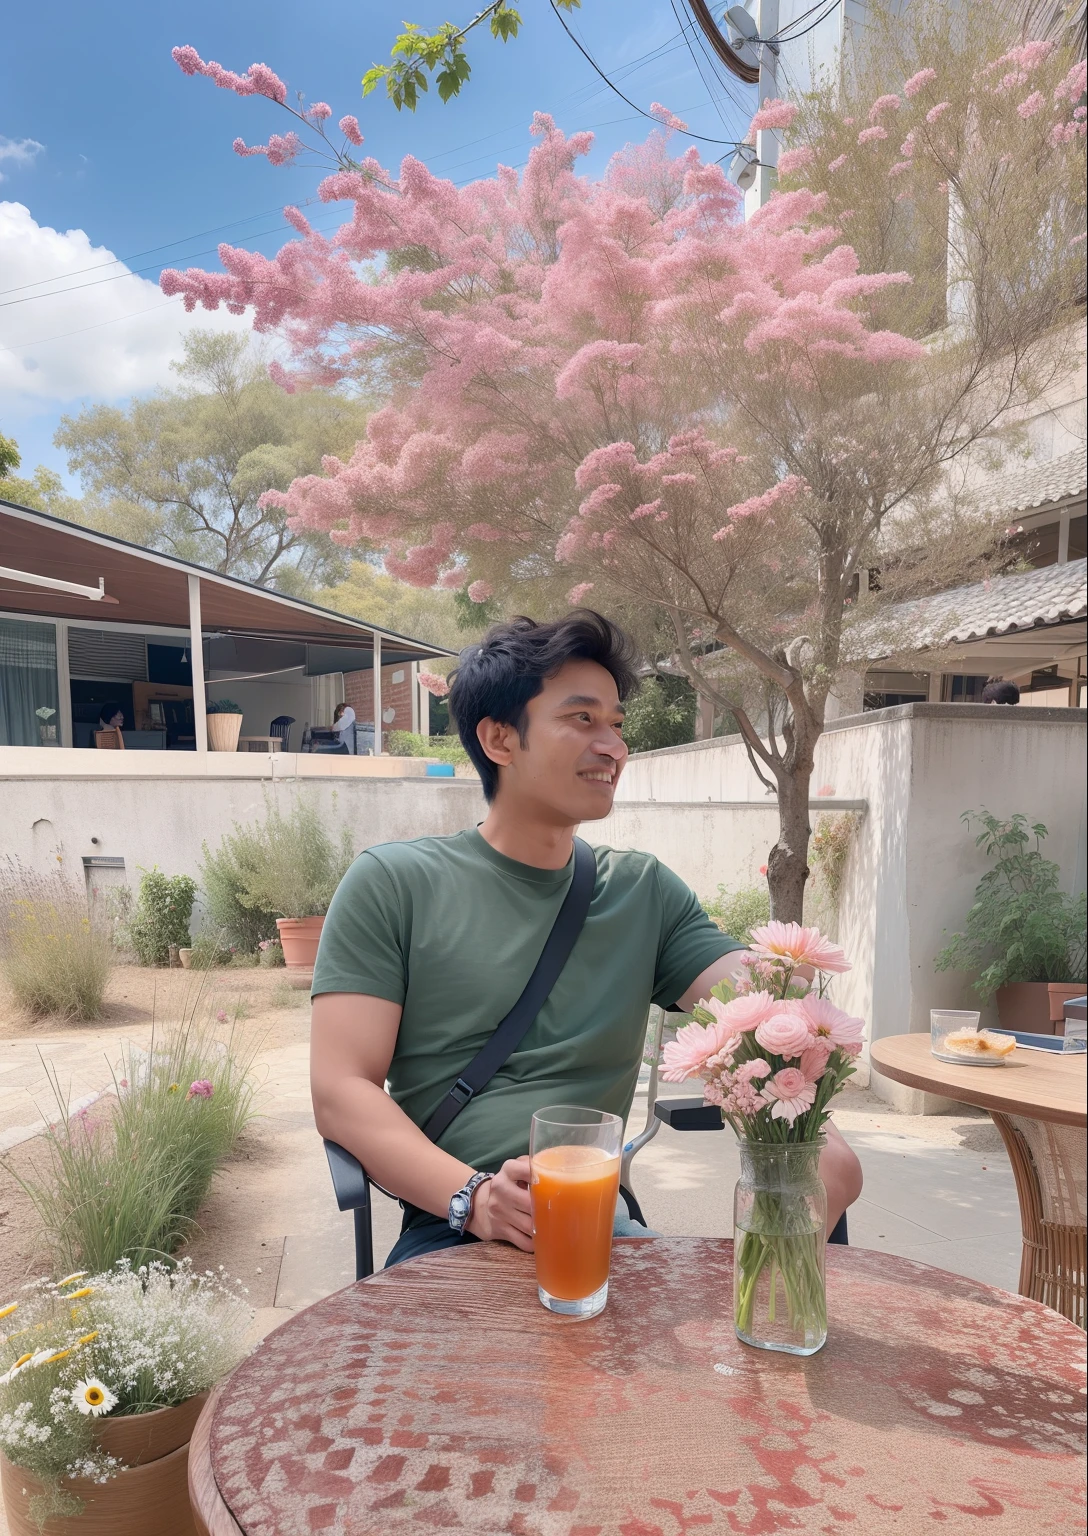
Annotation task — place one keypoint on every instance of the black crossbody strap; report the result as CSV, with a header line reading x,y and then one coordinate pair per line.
x,y
517,1023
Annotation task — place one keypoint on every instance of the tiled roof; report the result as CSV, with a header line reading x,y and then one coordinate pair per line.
x,y
1051,595
1038,485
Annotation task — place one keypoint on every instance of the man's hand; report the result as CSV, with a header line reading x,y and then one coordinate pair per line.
x,y
501,1208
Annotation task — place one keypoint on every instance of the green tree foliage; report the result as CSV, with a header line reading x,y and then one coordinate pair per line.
x,y
225,874
289,866
184,470
661,714
43,490
1021,926
417,54
425,613
10,457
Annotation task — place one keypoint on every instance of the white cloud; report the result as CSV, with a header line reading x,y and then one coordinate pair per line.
x,y
18,151
97,340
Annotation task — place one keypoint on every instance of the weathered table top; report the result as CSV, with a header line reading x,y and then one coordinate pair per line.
x,y
441,1395
1042,1085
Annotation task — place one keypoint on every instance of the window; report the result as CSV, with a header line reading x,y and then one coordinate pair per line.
x,y
29,699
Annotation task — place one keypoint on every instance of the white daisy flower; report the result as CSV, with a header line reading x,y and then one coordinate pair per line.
x,y
93,1397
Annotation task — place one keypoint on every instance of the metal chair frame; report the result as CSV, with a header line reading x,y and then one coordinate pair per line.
x,y
352,1185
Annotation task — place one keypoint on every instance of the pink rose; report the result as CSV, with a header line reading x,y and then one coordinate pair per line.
x,y
748,1071
743,1013
789,1093
784,1034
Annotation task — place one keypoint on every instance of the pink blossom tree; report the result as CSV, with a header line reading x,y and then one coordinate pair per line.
x,y
620,389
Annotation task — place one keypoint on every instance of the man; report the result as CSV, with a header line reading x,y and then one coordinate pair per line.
x,y
428,944
111,717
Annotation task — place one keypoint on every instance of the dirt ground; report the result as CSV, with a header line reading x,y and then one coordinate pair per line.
x,y
266,999
262,1004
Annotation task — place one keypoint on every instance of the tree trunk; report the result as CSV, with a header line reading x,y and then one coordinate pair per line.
x,y
787,864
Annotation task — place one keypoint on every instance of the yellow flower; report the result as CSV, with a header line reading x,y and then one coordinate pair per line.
x,y
78,1275
87,1290
174,1088
9,1309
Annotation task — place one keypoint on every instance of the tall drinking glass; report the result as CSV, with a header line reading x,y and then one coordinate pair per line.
x,y
575,1159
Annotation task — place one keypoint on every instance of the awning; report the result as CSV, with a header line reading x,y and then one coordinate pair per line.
x,y
151,589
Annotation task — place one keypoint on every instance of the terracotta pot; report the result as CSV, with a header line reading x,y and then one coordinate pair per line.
x,y
1036,1006
148,1500
299,937
135,1438
223,732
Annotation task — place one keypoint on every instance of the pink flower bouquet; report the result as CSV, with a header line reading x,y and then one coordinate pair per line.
x,y
772,1052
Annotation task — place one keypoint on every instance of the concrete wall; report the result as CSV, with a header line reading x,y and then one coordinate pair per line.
x,y
163,819
913,868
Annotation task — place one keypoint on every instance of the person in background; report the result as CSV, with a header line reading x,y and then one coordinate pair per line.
x,y
343,722
998,691
111,716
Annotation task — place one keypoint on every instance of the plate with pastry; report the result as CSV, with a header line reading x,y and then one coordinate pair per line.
x,y
976,1048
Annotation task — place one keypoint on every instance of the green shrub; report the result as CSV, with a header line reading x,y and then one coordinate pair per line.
x,y
207,952
130,1186
222,707
224,880
660,714
738,912
1020,927
445,749
163,912
271,954
56,952
296,865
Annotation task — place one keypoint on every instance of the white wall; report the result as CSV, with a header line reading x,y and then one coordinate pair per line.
x,y
164,820
913,867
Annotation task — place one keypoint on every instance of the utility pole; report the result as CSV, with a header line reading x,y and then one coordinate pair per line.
x,y
765,16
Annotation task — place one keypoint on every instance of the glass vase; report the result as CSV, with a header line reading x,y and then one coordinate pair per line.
x,y
779,1221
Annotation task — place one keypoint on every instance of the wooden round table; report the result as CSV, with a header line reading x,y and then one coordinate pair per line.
x,y
1039,1102
441,1396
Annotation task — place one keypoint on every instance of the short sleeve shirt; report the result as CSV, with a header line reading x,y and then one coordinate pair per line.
x,y
451,930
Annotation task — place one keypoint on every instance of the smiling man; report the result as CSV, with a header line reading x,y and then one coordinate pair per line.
x,y
428,945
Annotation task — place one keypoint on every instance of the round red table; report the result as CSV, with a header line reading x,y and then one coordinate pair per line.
x,y
441,1396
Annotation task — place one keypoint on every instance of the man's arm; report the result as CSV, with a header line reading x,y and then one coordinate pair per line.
x,y
352,1039
840,1169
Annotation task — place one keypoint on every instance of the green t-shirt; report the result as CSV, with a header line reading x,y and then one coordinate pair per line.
x,y
451,929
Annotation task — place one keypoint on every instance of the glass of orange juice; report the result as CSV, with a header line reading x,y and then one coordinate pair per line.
x,y
575,1159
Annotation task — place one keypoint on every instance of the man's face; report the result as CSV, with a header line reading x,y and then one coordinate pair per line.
x,y
573,753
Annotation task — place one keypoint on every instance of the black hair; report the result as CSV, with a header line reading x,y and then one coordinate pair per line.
x,y
998,691
110,708
496,679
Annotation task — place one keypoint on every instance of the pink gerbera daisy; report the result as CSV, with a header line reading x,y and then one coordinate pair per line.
x,y
798,946
692,1049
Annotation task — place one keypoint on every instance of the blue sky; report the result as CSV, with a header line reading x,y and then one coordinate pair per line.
x,y
114,153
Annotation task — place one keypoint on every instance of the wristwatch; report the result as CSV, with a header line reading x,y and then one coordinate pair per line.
x,y
461,1202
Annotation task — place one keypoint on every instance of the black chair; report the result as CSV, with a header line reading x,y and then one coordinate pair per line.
x,y
281,727
352,1187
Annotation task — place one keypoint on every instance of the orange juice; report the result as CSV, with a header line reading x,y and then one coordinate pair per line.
x,y
574,1193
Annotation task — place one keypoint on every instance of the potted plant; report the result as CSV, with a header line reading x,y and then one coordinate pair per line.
x,y
1024,935
224,725
291,870
104,1378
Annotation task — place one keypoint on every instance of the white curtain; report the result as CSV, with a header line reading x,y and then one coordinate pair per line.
x,y
29,701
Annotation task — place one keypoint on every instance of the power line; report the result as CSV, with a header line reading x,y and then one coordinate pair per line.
x,y
791,37
613,86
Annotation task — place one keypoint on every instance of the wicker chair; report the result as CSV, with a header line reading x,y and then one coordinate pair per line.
x,y
110,738
1050,1166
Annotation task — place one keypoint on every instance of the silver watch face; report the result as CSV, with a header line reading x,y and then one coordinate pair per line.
x,y
460,1206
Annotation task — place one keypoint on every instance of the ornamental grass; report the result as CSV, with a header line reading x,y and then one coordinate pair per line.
x,y
56,950
128,1185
